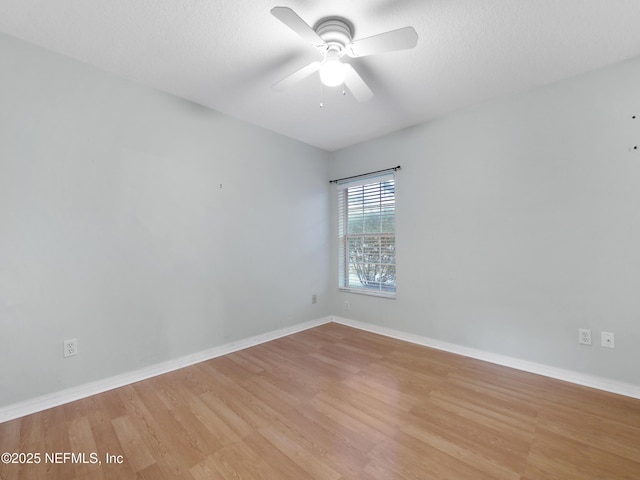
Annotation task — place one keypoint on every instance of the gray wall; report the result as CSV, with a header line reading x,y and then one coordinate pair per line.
x,y
518,222
113,228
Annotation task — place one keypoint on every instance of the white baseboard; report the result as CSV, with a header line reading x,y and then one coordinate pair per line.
x,y
44,402
613,386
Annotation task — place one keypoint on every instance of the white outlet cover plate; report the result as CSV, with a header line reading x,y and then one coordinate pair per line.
x,y
608,339
584,336
70,348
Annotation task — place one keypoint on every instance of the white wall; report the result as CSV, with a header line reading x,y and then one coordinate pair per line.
x,y
113,228
518,222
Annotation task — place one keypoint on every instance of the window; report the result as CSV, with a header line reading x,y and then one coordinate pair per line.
x,y
367,236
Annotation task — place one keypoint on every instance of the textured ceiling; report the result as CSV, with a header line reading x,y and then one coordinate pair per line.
x,y
225,54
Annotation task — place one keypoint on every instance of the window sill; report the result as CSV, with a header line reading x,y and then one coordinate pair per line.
x,y
369,293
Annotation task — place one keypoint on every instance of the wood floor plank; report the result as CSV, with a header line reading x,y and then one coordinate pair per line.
x,y
597,402
602,433
225,419
156,434
239,461
366,436
280,463
556,457
300,451
322,436
245,362
486,454
335,403
405,458
486,412
384,390
82,442
138,455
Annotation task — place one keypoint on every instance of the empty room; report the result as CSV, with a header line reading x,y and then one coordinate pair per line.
x,y
372,240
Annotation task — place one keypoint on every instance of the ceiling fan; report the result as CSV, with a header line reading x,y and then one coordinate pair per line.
x,y
333,37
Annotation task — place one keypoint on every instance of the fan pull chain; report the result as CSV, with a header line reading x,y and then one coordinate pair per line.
x,y
321,105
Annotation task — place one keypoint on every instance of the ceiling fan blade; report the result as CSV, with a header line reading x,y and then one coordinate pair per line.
x,y
356,85
295,23
295,77
400,39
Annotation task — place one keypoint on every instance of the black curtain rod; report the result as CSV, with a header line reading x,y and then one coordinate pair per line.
x,y
395,169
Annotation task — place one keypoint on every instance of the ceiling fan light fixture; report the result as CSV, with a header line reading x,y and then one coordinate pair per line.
x,y
332,71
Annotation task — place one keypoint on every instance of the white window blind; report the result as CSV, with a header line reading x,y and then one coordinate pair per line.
x,y
367,253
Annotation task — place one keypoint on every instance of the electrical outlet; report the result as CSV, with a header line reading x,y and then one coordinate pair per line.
x,y
70,348
347,306
584,336
607,339
314,298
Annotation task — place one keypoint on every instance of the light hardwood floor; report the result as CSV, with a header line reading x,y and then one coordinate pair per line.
x,y
337,403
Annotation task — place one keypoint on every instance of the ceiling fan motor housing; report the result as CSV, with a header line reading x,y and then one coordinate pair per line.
x,y
337,34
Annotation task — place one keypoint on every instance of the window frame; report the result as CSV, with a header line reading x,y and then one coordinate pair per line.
x,y
345,284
